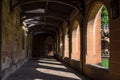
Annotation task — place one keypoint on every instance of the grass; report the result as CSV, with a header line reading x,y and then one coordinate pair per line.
x,y
105,63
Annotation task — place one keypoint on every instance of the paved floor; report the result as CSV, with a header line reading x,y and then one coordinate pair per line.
x,y
45,69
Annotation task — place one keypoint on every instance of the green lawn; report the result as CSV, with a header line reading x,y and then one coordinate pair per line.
x,y
105,63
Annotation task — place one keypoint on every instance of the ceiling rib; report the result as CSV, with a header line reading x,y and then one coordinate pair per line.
x,y
49,24
22,2
58,18
57,15
53,17
42,32
39,30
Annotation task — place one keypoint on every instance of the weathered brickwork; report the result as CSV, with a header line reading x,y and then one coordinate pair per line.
x,y
12,54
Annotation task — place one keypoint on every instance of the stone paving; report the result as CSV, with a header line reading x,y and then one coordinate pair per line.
x,y
45,69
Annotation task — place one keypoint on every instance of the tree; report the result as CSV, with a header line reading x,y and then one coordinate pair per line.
x,y
104,22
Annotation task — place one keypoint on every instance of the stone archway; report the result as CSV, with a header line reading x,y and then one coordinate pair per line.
x,y
76,41
94,38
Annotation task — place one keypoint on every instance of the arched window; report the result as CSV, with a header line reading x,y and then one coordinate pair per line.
x,y
76,41
97,36
105,37
66,52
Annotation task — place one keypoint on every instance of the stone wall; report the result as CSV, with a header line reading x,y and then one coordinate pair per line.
x,y
115,49
12,54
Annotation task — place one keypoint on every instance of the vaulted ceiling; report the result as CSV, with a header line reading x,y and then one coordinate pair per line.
x,y
46,16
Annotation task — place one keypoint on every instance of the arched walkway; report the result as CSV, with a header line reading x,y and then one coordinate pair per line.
x,y
76,41
33,32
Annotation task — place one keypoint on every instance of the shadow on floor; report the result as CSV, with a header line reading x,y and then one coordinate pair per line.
x,y
44,69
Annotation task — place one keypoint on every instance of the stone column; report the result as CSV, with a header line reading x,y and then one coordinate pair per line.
x,y
70,40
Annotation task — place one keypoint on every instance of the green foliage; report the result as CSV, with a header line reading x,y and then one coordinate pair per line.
x,y
105,63
104,35
104,17
104,22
